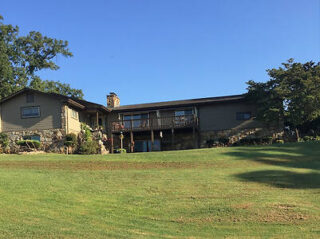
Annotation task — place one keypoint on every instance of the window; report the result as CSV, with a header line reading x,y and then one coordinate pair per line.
x,y
243,115
138,121
30,97
183,112
74,114
183,117
31,137
30,112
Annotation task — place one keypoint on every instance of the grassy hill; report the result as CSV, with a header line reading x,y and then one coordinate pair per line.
x,y
256,192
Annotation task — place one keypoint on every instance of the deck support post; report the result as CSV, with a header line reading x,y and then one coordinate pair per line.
x,y
194,137
131,142
121,140
97,119
172,139
152,140
112,146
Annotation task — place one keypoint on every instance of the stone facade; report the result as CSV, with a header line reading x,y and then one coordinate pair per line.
x,y
113,100
182,140
235,135
52,140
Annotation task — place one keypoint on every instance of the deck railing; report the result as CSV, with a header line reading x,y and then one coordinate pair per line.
x,y
184,121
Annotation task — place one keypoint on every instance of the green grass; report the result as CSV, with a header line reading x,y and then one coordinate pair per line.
x,y
239,192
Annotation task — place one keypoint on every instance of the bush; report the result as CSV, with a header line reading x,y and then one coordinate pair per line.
x,y
308,138
223,141
266,140
279,141
121,151
89,147
71,140
248,141
87,135
29,143
4,140
254,141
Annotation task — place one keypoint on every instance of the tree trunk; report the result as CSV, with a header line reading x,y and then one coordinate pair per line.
x,y
297,135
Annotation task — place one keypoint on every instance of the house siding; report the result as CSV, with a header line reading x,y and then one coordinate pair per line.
x,y
73,125
50,113
223,116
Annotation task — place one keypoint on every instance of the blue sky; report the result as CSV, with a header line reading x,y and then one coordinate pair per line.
x,y
156,50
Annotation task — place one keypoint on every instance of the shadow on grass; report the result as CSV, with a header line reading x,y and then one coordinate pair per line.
x,y
283,179
297,155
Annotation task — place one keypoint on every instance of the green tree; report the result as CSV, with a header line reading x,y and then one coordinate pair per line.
x,y
21,57
291,95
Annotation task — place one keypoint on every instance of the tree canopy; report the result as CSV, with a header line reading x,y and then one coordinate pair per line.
x,y
21,57
291,95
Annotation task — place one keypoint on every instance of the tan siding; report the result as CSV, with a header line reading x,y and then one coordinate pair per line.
x,y
73,124
50,109
223,116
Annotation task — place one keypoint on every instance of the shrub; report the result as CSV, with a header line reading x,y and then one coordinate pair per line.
x,y
266,140
253,141
71,140
4,140
121,151
311,138
210,143
87,135
29,143
247,141
89,147
223,141
279,141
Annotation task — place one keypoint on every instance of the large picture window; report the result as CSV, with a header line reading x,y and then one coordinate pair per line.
x,y
30,112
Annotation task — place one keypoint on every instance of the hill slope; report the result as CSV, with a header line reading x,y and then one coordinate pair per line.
x,y
270,191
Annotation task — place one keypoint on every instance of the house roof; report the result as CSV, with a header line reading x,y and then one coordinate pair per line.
x,y
82,104
180,103
87,105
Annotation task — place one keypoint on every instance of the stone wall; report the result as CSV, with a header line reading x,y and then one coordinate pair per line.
x,y
52,140
236,135
182,141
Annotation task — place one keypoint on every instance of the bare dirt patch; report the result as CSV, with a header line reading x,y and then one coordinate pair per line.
x,y
243,206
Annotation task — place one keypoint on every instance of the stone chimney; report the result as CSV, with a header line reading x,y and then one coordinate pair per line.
x,y
113,100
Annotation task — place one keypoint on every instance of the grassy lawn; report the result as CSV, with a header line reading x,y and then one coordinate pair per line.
x,y
239,192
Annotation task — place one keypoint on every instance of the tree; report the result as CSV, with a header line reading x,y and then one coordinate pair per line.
x,y
291,95
21,57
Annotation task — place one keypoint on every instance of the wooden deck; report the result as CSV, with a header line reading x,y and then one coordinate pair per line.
x,y
161,123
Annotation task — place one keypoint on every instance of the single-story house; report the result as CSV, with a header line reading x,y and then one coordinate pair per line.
x,y
181,124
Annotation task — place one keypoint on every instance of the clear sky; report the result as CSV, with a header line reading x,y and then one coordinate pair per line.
x,y
156,50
